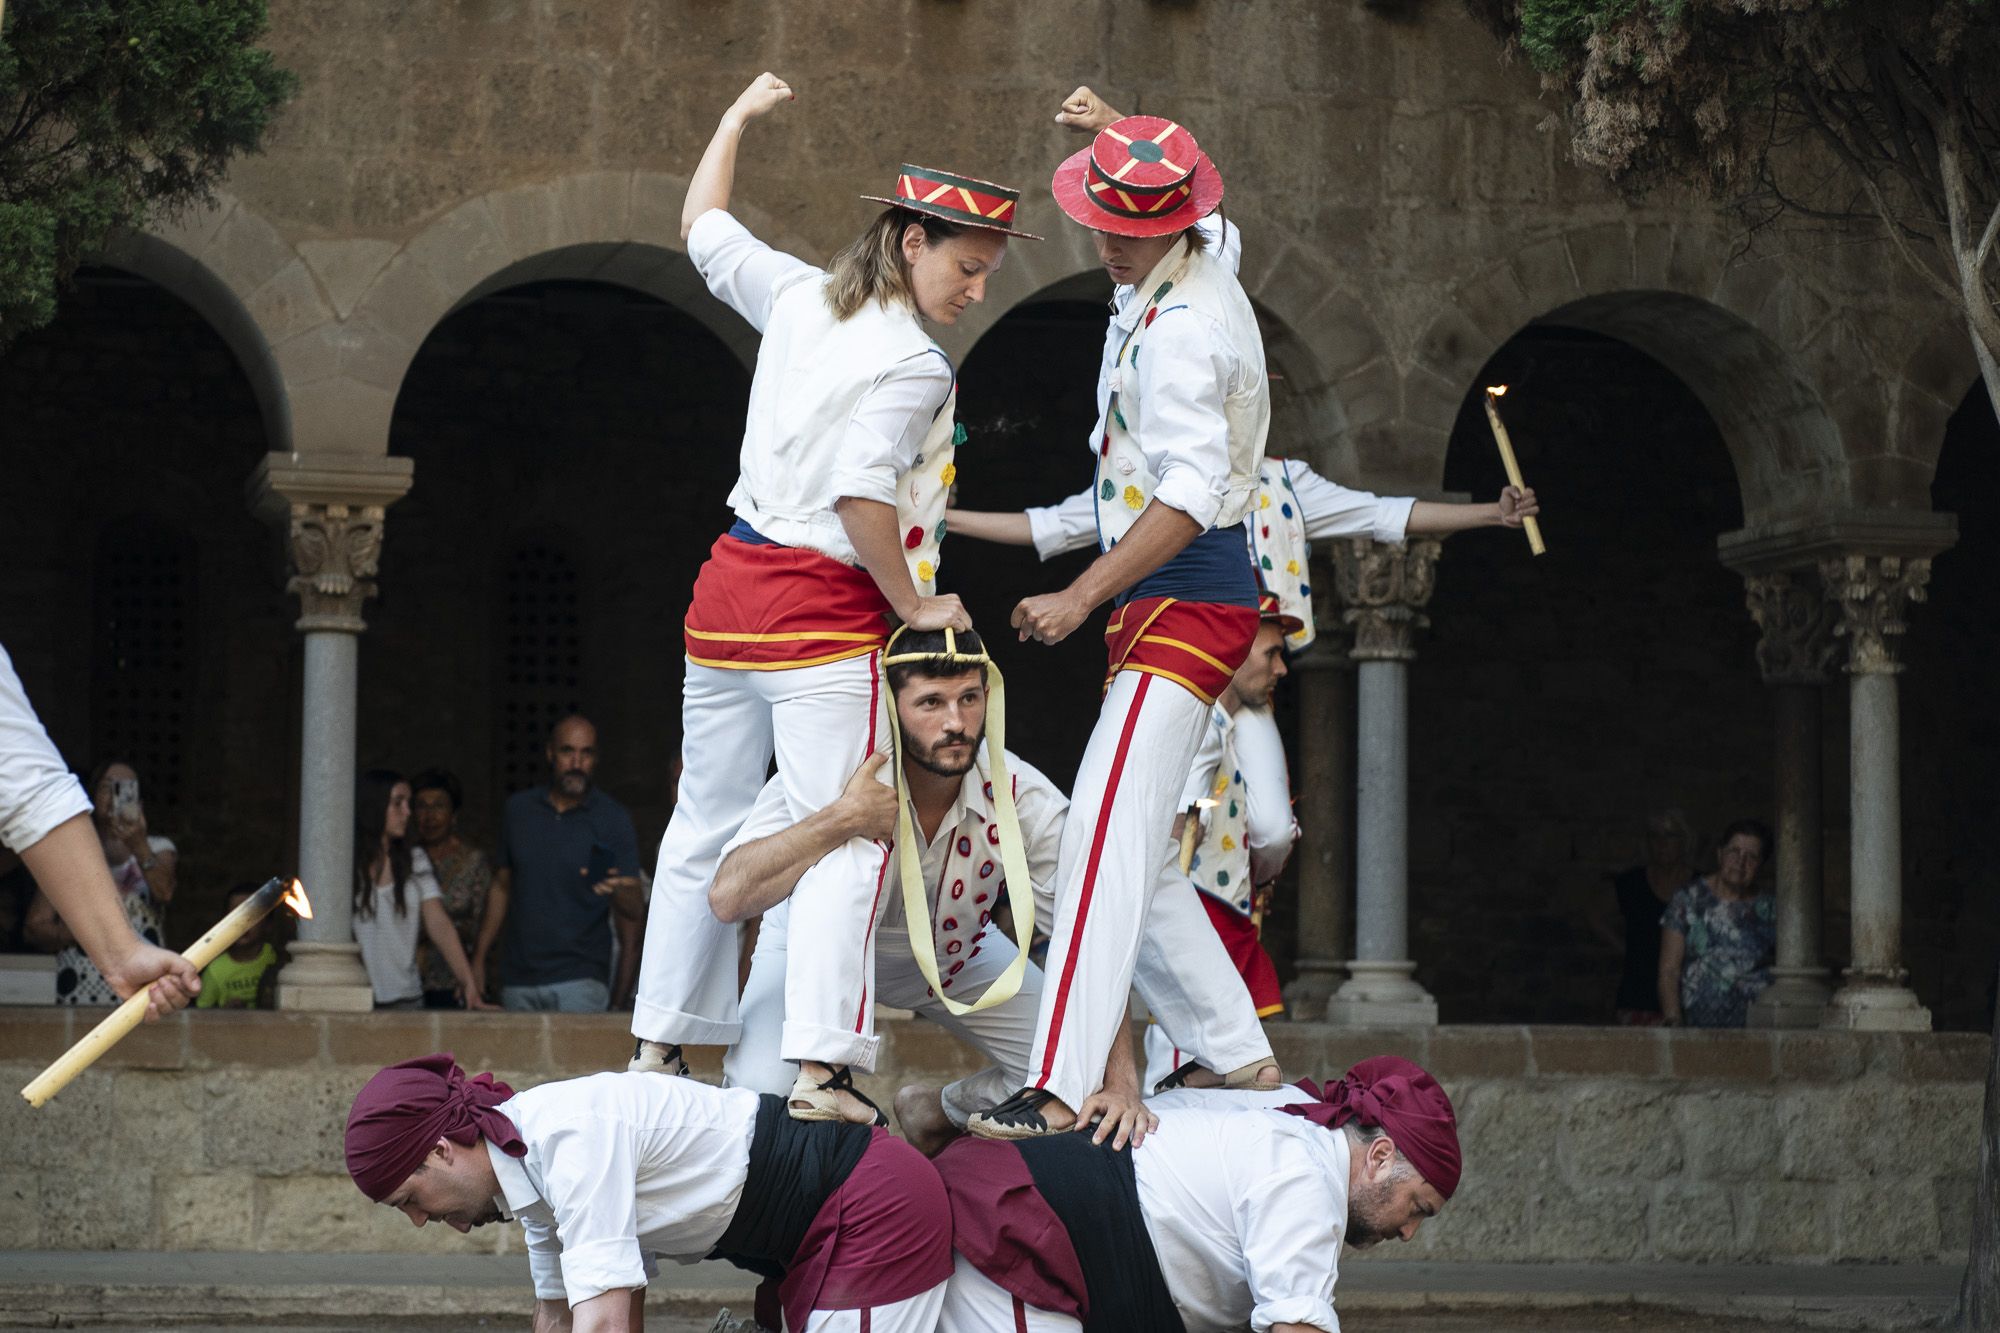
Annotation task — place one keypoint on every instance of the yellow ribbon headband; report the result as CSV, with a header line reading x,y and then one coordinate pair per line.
x,y
1013,856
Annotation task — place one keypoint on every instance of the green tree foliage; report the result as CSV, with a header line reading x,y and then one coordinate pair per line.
x,y
1882,110
113,112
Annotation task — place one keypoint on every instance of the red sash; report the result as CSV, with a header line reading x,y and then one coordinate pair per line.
x,y
1197,645
1239,936
770,608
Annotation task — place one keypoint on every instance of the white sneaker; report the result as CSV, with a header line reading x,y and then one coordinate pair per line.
x,y
656,1057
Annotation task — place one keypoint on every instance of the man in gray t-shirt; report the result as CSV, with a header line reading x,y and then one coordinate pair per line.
x,y
565,850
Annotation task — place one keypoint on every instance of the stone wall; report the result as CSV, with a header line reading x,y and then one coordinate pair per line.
x,y
221,1131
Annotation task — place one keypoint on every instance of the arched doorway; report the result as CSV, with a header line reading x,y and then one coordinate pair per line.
x,y
141,601
1951,739
574,442
1561,699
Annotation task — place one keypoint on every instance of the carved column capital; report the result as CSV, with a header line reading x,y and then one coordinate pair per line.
x,y
1798,644
335,550
1384,589
1872,592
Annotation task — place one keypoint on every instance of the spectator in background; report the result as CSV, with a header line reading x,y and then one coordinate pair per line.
x,y
43,813
240,977
566,850
396,894
143,868
1638,896
1718,935
464,875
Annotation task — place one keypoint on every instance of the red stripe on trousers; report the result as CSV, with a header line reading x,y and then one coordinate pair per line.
x,y
874,703
866,1322
1090,879
1020,1316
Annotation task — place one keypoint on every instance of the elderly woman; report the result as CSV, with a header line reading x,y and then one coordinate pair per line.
x,y
142,865
1717,936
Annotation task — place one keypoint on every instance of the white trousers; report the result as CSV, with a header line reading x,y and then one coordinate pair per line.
x,y
975,1303
1201,1007
918,1314
820,722
1116,854
1002,1034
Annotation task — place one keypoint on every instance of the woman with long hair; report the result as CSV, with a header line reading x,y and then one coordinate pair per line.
x,y
845,466
396,893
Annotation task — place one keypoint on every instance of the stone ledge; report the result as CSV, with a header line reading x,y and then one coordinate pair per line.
x,y
562,1045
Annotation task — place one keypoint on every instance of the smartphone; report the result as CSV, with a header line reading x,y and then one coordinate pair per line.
x,y
125,796
602,866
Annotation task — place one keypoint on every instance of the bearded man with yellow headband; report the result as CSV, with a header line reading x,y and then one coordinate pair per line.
x,y
972,825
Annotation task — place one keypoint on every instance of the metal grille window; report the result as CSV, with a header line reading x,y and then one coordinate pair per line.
x,y
142,659
543,658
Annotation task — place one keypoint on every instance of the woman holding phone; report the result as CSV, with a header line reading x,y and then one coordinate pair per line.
x,y
142,866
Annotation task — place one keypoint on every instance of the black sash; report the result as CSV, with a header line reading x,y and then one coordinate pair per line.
x,y
795,1166
1095,1193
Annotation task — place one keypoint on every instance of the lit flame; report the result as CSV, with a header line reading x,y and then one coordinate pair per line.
x,y
295,898
1497,390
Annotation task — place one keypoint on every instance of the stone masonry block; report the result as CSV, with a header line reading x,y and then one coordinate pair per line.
x,y
587,1043
461,249
1491,1217
104,1209
157,1117
1947,1117
1453,348
1946,1057
1956,1196
1637,1052
1616,1130
1544,272
1468,1053
252,1037
1893,1220
377,1039
282,1121
206,1212
1432,397
50,1136
1860,1130
1652,247
1509,1129
344,268
161,1045
1733,1056
21,1208
327,1213
596,205
501,1041
1595,1223
1817,1057
1495,304
1693,1223
1729,1136
35,1036
1602,257
405,300
289,304
1784,1219
246,252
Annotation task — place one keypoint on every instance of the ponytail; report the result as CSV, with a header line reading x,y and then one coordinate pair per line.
x,y
871,266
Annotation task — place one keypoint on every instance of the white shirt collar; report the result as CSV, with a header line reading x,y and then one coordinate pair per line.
x,y
1126,310
518,1190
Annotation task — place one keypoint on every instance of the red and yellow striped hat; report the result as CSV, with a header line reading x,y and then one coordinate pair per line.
x,y
1271,609
965,200
1141,176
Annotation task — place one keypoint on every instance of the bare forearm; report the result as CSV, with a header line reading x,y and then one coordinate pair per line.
x,y
496,913
444,938
1161,533
552,1317
69,866
1673,950
610,1312
1121,1071
871,529
715,177
1009,529
1431,518
759,875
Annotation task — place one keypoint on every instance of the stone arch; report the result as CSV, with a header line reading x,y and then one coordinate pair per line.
x,y
236,272
1673,293
1319,335
615,227
1930,386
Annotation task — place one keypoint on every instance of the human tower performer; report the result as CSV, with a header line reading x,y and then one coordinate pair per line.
x,y
845,465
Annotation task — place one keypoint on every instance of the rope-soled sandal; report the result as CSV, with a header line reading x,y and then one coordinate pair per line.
x,y
1019,1117
821,1101
656,1057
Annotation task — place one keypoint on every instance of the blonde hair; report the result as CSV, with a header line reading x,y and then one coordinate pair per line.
x,y
871,266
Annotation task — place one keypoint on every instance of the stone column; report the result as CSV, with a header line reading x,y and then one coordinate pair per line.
x,y
1384,589
1795,655
1325,784
333,510
1872,592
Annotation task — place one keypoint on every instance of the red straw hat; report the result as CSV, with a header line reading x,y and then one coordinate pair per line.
x,y
1141,176
966,200
1271,609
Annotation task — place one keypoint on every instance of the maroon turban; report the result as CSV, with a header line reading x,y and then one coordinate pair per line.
x,y
1405,1101
403,1111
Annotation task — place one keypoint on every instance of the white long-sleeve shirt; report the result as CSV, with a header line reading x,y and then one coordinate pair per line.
x,y
961,865
622,1167
838,408
37,790
1246,1209
1329,510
